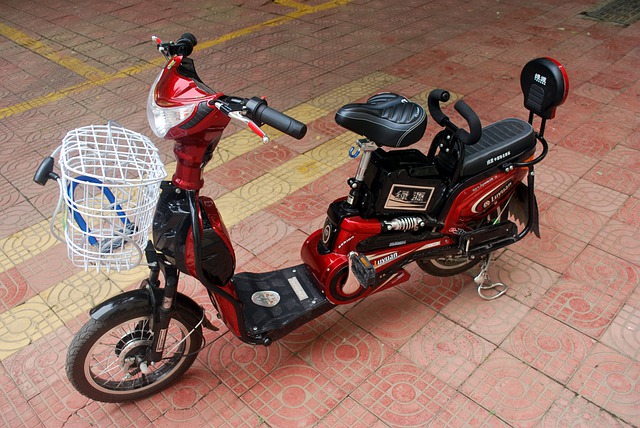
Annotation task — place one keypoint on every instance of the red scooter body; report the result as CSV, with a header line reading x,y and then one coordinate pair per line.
x,y
447,210
359,228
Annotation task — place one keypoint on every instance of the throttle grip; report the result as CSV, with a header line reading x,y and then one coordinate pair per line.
x,y
186,43
260,112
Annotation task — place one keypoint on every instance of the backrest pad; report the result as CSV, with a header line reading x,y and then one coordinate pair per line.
x,y
545,86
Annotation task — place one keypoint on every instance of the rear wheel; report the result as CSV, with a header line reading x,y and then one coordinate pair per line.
x,y
447,266
108,358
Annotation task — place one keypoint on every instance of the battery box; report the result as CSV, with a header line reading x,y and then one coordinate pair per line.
x,y
401,182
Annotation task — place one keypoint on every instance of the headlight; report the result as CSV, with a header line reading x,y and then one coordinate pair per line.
x,y
162,119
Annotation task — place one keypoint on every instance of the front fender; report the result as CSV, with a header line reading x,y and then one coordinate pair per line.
x,y
142,298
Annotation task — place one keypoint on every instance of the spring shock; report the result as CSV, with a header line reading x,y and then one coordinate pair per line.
x,y
404,224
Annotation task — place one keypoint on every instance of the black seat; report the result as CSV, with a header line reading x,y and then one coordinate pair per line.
x,y
507,140
387,119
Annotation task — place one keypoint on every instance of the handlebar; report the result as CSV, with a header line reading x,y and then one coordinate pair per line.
x,y
475,126
259,112
253,111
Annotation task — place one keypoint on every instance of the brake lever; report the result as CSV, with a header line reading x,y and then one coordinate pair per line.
x,y
237,115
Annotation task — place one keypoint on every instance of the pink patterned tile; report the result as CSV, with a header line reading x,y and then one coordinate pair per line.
x,y
240,365
222,408
41,364
614,177
346,354
555,250
573,410
492,320
569,161
593,139
18,217
177,401
630,212
548,345
304,335
625,157
527,280
574,220
268,156
611,381
447,351
48,268
624,332
295,394
285,252
235,173
605,272
14,408
258,232
57,403
391,316
583,307
14,289
554,181
595,197
109,414
515,392
350,414
298,208
402,394
435,292
619,239
463,412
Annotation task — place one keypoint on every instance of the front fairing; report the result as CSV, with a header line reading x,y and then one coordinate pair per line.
x,y
179,88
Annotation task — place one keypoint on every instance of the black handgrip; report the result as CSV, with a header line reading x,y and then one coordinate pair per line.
x,y
45,172
259,112
433,101
475,127
185,44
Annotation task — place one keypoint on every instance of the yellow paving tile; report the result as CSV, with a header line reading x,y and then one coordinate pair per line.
x,y
334,152
77,294
25,244
46,51
300,171
25,324
307,112
352,91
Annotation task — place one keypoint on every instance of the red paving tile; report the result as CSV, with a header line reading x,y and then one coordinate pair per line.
x,y
515,392
559,349
403,394
610,380
548,345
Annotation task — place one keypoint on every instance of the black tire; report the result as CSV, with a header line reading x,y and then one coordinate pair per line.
x,y
104,356
447,267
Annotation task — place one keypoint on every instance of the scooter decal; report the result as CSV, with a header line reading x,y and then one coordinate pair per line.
x,y
491,197
267,299
297,288
405,197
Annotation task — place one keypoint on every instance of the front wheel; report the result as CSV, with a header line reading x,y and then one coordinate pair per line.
x,y
447,266
108,358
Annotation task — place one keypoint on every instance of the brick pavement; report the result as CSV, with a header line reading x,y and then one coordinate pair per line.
x,y
560,349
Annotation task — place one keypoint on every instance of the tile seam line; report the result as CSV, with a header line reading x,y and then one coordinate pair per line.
x,y
24,106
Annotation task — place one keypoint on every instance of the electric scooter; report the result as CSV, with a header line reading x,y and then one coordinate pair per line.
x,y
447,210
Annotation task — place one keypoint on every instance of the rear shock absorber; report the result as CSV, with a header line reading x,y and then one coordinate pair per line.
x,y
404,224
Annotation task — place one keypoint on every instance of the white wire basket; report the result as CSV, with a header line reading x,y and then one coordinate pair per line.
x,y
110,184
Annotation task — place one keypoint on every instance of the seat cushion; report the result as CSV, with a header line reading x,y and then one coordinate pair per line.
x,y
387,119
507,140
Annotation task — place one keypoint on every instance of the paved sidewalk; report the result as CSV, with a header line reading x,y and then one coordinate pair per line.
x,y
562,348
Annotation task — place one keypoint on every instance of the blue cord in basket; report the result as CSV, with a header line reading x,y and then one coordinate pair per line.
x,y
106,192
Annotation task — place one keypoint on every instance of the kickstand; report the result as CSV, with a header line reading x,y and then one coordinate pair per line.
x,y
484,282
